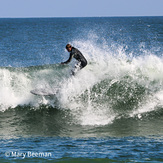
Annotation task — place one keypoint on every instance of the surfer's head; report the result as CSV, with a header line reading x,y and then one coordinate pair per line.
x,y
68,47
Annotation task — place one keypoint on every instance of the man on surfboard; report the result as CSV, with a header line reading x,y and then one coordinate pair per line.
x,y
75,53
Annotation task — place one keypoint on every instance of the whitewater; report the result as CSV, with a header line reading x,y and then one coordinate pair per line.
x,y
113,83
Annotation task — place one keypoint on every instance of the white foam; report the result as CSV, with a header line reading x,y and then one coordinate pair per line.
x,y
104,64
76,92
14,89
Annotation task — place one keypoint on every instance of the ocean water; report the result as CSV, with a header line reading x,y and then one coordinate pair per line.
x,y
110,111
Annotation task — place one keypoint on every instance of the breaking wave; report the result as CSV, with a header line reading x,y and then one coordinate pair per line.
x,y
113,85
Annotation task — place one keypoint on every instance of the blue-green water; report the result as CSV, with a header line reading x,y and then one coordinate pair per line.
x,y
111,111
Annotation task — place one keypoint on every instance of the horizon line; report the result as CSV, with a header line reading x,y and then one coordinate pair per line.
x,y
81,16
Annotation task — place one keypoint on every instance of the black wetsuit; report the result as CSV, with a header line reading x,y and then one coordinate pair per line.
x,y
75,53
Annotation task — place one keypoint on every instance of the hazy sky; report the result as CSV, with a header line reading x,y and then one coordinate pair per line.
x,y
80,8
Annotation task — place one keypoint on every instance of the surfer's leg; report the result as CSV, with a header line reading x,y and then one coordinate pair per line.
x,y
76,69
72,72
82,65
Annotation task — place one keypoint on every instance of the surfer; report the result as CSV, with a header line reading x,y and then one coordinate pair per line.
x,y
75,53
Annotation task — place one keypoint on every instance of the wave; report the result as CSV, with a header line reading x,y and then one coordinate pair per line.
x,y
113,85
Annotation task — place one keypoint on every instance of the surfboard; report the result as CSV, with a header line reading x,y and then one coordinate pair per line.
x,y
44,92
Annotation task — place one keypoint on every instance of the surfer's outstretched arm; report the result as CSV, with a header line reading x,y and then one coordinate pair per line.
x,y
69,60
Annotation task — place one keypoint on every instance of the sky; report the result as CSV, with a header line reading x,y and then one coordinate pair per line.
x,y
79,8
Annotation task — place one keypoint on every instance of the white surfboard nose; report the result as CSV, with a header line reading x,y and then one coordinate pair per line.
x,y
44,92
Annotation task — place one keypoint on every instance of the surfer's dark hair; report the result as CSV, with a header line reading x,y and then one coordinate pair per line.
x,y
68,46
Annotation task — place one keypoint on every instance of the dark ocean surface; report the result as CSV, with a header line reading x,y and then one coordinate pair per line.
x,y
110,111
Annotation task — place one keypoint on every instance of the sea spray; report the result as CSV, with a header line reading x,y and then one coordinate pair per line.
x,y
110,86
